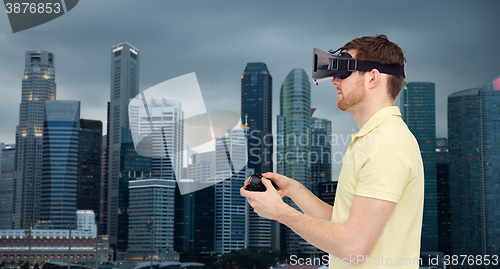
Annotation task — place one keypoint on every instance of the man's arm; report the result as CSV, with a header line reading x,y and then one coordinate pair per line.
x,y
357,236
302,197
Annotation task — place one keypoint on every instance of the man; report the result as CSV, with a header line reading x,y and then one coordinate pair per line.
x,y
377,216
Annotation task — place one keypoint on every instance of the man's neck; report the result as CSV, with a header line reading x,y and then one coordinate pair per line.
x,y
361,116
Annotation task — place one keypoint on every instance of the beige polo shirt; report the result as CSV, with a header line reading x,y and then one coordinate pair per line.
x,y
383,161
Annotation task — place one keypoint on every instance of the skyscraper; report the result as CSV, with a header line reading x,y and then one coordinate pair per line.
x,y
133,166
321,153
443,195
256,109
151,200
474,159
195,212
103,218
89,166
7,154
418,110
293,140
231,209
60,163
164,123
124,86
256,112
38,86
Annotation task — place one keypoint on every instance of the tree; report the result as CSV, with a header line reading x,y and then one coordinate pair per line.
x,y
25,265
36,266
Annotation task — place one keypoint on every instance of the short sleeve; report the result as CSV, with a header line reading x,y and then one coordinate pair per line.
x,y
385,170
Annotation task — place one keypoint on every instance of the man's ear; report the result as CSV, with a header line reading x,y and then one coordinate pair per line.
x,y
373,78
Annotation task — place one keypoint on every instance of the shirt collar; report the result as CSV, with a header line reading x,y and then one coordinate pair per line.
x,y
376,120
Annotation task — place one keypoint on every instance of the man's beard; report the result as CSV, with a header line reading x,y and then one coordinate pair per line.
x,y
354,97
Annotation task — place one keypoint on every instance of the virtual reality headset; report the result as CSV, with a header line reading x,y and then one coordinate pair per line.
x,y
327,65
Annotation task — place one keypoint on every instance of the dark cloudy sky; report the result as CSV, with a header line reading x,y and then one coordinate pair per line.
x,y
452,43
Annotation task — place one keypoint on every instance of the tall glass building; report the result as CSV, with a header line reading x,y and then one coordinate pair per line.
x,y
418,110
125,68
293,141
7,156
231,209
195,212
321,153
60,163
38,86
103,218
256,112
133,166
89,166
474,159
443,195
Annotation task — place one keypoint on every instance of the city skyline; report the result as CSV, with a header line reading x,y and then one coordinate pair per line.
x,y
436,45
285,42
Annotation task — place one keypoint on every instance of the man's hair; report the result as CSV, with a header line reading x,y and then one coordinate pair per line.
x,y
380,49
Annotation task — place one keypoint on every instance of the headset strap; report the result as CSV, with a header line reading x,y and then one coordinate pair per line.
x,y
352,64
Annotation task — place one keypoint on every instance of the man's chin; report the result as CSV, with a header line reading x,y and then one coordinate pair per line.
x,y
341,106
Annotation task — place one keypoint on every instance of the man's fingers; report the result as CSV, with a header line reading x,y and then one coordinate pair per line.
x,y
268,184
243,192
246,181
270,175
280,192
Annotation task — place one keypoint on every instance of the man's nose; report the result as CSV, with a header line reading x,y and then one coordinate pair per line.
x,y
336,81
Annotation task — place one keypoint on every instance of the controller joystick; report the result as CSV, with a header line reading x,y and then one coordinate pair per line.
x,y
255,183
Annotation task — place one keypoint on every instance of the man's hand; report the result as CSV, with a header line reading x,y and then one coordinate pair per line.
x,y
284,183
266,204
301,196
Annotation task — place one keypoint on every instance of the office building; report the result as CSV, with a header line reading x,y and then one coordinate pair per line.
x,y
474,160
125,67
443,195
88,187
195,212
293,141
418,110
133,166
103,216
38,86
59,163
321,153
231,209
151,200
201,166
7,155
163,123
256,113
327,191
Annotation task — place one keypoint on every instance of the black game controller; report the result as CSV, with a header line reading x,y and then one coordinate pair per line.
x,y
255,183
